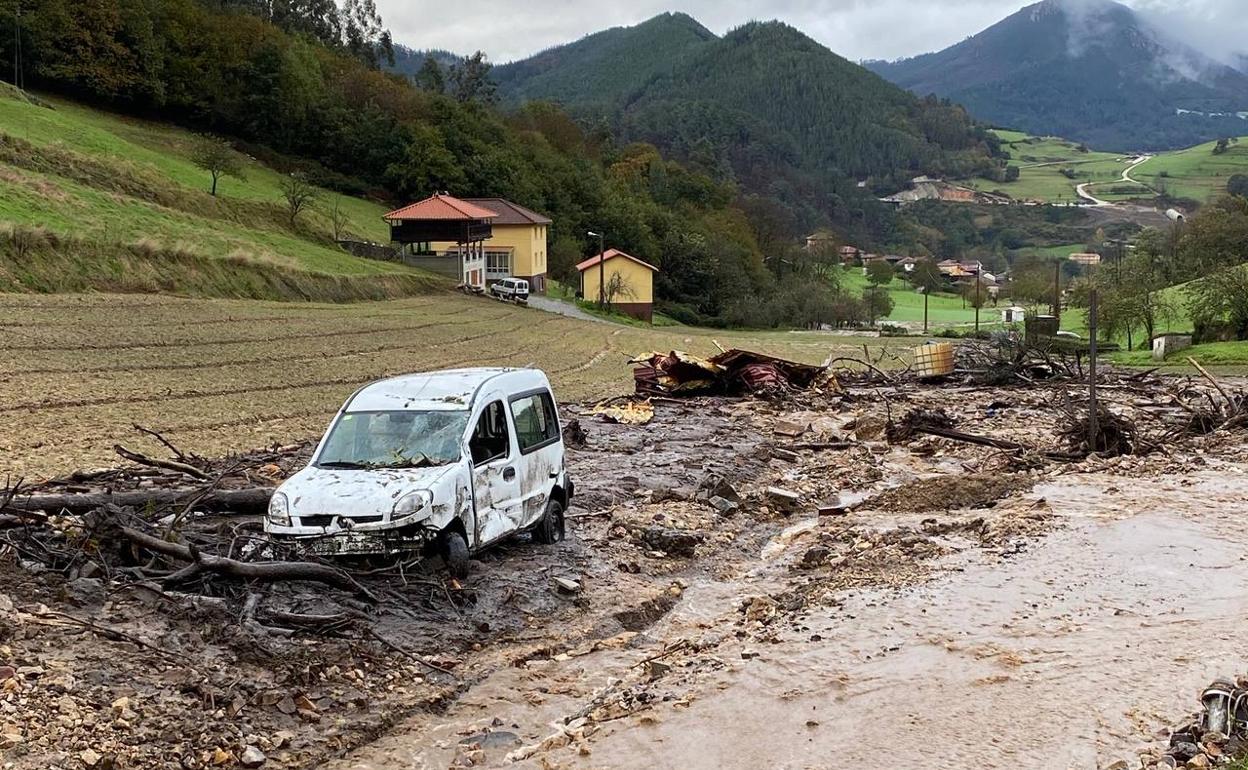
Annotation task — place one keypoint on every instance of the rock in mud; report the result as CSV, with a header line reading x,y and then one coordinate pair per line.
x,y
1184,751
674,542
815,557
252,757
85,592
723,505
783,499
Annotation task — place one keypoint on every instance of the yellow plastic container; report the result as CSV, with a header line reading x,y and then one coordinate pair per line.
x,y
935,359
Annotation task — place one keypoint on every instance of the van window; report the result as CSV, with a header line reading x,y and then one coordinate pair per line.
x,y
537,423
490,439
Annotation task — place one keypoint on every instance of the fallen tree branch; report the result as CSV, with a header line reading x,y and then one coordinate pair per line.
x,y
1212,381
155,462
410,655
110,633
156,435
996,443
249,500
265,572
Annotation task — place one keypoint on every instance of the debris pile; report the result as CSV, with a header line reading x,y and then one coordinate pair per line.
x,y
732,372
1217,736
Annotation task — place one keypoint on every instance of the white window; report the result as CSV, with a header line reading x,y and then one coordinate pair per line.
x,y
497,264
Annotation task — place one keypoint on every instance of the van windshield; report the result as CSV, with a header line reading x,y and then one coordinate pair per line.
x,y
399,439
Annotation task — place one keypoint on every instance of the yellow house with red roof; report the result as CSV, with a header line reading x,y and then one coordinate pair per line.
x,y
628,281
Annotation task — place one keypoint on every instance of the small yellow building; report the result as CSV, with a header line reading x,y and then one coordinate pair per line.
x,y
629,283
517,248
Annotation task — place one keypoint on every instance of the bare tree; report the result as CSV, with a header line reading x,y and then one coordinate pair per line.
x,y
338,219
617,286
298,193
217,158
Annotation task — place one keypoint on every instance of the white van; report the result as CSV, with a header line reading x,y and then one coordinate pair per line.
x,y
511,288
445,462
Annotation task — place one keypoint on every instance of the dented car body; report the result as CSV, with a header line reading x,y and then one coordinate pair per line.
x,y
414,462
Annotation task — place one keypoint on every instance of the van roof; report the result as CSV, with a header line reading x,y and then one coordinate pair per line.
x,y
449,389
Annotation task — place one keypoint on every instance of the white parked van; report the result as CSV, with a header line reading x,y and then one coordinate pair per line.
x,y
511,288
446,462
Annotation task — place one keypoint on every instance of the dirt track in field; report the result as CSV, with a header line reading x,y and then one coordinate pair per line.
x,y
220,375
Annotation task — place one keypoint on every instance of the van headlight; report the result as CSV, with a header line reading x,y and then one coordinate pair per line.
x,y
413,502
279,509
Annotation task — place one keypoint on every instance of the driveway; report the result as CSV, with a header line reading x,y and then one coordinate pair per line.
x,y
550,305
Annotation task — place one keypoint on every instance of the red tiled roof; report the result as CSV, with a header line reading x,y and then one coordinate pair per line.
x,y
441,206
609,255
510,213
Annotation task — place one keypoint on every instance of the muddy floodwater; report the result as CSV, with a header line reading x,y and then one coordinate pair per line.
x,y
1068,650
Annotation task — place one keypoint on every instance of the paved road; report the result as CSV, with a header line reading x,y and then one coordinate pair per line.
x,y
1082,189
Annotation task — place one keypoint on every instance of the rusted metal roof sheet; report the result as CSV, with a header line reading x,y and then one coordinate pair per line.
x,y
441,207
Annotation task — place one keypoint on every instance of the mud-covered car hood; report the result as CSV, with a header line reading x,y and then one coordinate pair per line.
x,y
325,491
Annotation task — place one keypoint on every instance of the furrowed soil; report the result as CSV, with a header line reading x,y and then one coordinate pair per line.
x,y
222,375
955,606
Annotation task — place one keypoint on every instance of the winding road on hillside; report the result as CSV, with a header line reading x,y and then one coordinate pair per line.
x,y
1082,189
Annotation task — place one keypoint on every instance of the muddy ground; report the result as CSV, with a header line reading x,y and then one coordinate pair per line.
x,y
953,606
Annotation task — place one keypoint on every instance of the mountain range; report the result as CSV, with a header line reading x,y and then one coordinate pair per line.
x,y
763,105
1090,70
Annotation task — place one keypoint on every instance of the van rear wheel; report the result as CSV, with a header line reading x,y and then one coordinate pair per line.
x,y
549,529
455,555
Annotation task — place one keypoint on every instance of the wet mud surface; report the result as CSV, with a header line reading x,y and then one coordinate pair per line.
x,y
954,606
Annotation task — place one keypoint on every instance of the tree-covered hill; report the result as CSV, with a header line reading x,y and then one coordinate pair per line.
x,y
1088,70
764,106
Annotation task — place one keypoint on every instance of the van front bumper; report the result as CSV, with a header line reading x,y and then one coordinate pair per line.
x,y
361,543
410,533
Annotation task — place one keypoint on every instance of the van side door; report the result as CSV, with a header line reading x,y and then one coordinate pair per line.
x,y
540,448
495,478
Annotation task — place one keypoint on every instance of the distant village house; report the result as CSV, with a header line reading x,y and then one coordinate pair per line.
x,y
628,282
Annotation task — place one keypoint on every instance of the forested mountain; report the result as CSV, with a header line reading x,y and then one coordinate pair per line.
x,y
763,106
1089,70
601,71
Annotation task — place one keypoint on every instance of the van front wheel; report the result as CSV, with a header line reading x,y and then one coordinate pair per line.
x,y
455,554
549,529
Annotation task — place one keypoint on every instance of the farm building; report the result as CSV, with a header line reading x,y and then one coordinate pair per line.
x,y
1013,314
1087,259
461,226
474,240
517,246
628,282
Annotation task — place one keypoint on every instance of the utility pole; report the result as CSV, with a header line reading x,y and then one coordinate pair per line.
x,y
1057,292
926,291
602,268
978,283
1092,413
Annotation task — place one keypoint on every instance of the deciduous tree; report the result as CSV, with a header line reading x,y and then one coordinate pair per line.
x,y
217,158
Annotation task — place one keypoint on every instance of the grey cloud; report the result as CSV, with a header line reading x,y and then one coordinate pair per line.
x,y
856,29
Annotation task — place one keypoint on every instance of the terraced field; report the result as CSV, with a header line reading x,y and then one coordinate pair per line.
x,y
222,375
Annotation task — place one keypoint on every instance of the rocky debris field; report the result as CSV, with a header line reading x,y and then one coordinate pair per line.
x,y
719,530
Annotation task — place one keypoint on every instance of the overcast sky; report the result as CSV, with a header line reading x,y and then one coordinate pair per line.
x,y
856,29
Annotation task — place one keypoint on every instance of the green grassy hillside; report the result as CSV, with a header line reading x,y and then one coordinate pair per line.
x,y
1051,168
1195,173
90,200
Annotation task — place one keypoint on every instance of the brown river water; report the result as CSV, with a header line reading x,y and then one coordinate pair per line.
x,y
1071,652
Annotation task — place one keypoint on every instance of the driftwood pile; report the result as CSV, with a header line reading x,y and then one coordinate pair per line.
x,y
1137,413
190,531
